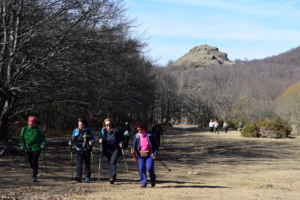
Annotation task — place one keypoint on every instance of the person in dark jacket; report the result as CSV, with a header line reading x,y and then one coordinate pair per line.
x,y
82,141
145,151
32,142
112,144
157,131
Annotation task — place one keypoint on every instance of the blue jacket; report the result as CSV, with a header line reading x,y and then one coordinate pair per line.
x,y
81,138
137,147
111,140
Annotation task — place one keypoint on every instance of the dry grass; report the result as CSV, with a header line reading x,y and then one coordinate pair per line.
x,y
204,166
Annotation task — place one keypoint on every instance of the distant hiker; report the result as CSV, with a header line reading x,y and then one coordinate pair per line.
x,y
241,126
145,151
126,130
157,132
211,125
32,142
82,141
112,144
216,126
225,126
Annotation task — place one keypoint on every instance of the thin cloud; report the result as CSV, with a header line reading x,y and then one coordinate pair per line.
x,y
254,7
223,30
232,25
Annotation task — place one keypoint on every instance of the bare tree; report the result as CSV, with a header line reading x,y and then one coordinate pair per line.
x,y
64,55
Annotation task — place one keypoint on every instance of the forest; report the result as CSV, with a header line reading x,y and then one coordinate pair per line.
x,y
64,59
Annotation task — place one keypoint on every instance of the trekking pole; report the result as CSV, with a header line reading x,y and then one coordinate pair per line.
x,y
44,151
164,164
26,159
124,160
100,156
72,162
93,165
25,150
44,160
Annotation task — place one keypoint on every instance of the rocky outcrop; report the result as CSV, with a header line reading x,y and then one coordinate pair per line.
x,y
203,55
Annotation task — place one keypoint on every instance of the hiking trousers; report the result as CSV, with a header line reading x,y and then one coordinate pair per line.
x,y
83,157
112,158
33,159
146,165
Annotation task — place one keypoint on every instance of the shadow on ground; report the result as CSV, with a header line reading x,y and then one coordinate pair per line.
x,y
184,148
195,186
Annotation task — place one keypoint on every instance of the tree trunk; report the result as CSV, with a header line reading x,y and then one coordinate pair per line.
x,y
4,128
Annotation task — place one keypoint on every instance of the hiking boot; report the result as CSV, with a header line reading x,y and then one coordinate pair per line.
x,y
153,183
78,179
112,180
143,185
87,179
34,179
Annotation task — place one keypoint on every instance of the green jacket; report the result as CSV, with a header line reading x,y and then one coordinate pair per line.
x,y
32,139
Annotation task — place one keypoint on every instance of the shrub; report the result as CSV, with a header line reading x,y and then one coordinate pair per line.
x,y
232,124
270,128
274,128
250,130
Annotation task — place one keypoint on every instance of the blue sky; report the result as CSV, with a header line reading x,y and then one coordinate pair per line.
x,y
245,29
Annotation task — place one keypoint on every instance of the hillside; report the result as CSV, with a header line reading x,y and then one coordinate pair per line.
x,y
287,106
291,91
243,90
290,57
284,68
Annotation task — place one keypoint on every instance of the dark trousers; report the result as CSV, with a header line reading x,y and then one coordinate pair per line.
x,y
126,141
216,130
33,159
157,139
112,158
146,165
83,157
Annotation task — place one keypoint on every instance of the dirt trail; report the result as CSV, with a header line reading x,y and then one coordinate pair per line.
x,y
204,166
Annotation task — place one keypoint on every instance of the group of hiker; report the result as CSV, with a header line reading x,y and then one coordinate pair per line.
x,y
144,148
214,126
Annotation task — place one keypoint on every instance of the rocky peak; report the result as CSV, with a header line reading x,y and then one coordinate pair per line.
x,y
203,55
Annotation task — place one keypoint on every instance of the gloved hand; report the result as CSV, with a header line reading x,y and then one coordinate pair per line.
x,y
155,156
100,141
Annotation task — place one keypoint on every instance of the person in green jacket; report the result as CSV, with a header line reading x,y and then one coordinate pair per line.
x,y
32,142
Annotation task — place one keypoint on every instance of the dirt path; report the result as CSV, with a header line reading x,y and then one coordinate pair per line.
x,y
204,166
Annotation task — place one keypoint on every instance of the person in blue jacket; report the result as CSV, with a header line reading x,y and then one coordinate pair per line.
x,y
82,141
112,143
